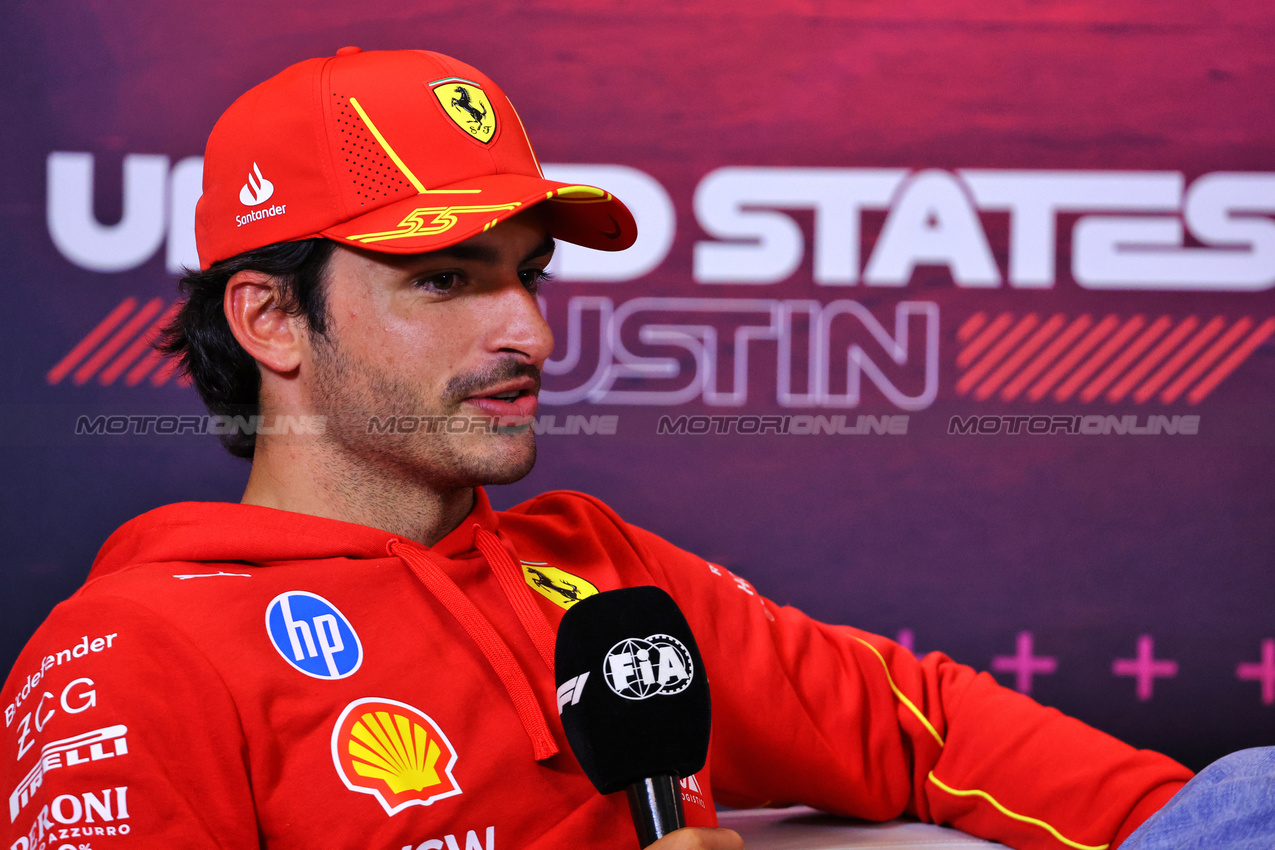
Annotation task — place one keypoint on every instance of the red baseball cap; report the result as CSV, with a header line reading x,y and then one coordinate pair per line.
x,y
400,151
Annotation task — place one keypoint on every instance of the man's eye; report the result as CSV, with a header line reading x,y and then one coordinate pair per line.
x,y
532,278
440,282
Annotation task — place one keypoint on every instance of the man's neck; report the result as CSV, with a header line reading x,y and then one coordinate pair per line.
x,y
289,479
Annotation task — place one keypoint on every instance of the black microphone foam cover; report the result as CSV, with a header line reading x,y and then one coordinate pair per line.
x,y
631,688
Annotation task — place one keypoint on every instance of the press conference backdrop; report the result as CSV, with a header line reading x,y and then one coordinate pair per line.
x,y
951,321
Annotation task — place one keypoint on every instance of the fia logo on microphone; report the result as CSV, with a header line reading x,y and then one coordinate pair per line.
x,y
640,668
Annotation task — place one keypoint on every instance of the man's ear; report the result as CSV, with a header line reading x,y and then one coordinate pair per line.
x,y
271,336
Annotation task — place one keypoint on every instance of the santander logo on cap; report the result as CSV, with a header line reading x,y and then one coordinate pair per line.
x,y
256,192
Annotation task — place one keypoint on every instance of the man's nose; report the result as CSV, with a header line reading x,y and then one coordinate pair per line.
x,y
520,327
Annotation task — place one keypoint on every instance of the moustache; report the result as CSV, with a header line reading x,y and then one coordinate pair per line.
x,y
462,387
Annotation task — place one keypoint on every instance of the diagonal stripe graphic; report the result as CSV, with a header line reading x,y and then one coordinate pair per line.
x,y
136,347
1178,360
143,368
1102,355
1029,373
1063,366
1232,361
90,341
1205,360
1174,358
1015,360
970,326
984,339
1144,366
168,367
123,335
998,351
1139,345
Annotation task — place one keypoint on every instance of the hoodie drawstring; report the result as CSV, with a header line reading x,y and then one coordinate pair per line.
x,y
512,582
482,633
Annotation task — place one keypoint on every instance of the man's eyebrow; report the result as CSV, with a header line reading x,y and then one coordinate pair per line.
x,y
487,254
546,246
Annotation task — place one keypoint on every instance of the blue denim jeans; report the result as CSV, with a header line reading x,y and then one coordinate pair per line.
x,y
1230,805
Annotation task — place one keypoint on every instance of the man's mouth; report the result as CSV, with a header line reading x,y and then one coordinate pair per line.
x,y
513,403
505,393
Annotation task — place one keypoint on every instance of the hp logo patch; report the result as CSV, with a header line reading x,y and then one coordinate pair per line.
x,y
312,635
638,668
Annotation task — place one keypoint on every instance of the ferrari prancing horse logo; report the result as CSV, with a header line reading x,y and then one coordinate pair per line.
x,y
467,105
559,586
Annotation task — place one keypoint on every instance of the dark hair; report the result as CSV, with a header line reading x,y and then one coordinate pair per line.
x,y
227,377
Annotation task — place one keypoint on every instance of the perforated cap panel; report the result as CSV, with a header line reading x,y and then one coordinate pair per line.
x,y
371,172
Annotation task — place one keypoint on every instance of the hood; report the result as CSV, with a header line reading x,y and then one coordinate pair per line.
x,y
221,532
217,532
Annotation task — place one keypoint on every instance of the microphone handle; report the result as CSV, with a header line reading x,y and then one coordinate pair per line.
x,y
656,805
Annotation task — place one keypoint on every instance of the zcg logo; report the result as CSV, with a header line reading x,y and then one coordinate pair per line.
x,y
313,636
638,668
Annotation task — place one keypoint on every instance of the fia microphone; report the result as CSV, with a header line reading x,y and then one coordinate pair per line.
x,y
634,701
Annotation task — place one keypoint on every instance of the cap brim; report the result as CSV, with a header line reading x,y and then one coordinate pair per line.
x,y
437,218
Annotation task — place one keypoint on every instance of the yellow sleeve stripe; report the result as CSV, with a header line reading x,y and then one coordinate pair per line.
x,y
898,693
973,792
1034,821
402,166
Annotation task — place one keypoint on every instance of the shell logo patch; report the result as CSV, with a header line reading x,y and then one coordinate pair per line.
x,y
558,586
467,105
394,752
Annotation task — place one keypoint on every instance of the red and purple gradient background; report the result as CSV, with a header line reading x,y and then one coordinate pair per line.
x,y
1087,543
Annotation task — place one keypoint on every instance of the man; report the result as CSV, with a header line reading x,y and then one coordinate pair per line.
x,y
360,654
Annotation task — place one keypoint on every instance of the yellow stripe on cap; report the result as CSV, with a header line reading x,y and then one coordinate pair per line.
x,y
579,194
380,140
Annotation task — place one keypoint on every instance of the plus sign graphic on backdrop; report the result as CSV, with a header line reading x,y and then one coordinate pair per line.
x,y
1146,668
1024,664
907,640
1263,671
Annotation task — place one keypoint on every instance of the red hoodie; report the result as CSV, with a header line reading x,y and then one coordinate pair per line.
x,y
235,676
